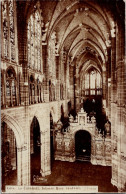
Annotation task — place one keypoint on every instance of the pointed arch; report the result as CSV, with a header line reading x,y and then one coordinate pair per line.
x,y
13,124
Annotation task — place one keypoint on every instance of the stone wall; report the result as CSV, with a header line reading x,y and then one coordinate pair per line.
x,y
19,119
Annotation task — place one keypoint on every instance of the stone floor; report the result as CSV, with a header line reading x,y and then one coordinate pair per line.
x,y
79,173
11,179
68,173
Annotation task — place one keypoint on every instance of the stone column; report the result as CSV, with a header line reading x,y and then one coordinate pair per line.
x,y
108,83
47,152
19,167
58,78
18,89
45,71
113,70
42,171
77,94
105,86
22,166
25,165
26,86
23,62
4,89
113,86
103,154
72,85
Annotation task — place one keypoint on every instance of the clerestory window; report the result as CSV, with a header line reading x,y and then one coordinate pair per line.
x,y
34,41
93,82
8,30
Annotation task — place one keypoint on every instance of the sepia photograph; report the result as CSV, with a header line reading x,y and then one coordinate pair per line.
x,y
63,96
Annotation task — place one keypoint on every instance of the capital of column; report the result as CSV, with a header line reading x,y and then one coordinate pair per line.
x,y
43,132
23,148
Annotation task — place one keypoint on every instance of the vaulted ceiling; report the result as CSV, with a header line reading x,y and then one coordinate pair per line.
x,y
83,27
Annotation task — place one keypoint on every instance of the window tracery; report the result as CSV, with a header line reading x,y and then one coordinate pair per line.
x,y
93,82
11,88
34,41
8,28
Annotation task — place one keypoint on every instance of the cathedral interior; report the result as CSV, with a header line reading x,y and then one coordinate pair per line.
x,y
63,93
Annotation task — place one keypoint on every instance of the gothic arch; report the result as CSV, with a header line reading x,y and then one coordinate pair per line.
x,y
12,69
36,114
44,132
13,124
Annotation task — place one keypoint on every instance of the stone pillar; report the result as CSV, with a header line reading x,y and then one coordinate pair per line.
x,y
4,89
72,85
21,84
118,124
26,86
113,70
105,86
45,71
25,166
58,78
113,86
22,166
45,153
18,89
19,167
42,133
108,83
77,94
22,46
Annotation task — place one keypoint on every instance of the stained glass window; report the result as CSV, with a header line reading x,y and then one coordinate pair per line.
x,y
93,82
34,41
13,88
7,88
12,31
8,29
98,80
87,81
92,79
5,28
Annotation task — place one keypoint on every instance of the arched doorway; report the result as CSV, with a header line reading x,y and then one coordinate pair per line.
x,y
9,156
83,145
35,148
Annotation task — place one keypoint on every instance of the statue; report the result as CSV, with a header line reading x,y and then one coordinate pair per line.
x,y
93,119
71,119
81,103
76,119
82,110
107,128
